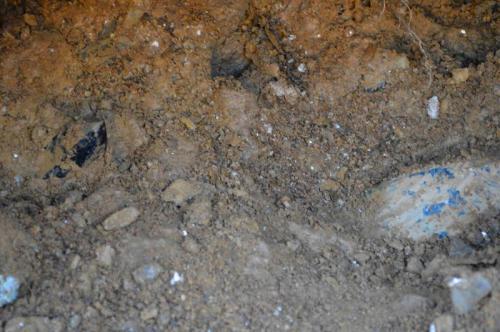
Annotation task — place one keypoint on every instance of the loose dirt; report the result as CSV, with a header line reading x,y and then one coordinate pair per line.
x,y
205,165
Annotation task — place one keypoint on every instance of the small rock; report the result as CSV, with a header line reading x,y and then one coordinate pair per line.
x,y
176,278
33,324
285,202
74,321
147,273
121,219
466,292
341,174
414,265
30,20
433,107
459,75
362,257
411,303
105,255
443,323
9,287
78,219
330,185
180,191
199,213
188,123
75,262
149,313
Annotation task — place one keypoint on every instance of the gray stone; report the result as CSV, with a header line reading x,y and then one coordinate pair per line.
x,y
466,292
74,321
414,265
180,191
147,273
443,323
121,219
105,255
199,213
149,313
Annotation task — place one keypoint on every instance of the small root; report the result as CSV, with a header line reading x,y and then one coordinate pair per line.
x,y
417,40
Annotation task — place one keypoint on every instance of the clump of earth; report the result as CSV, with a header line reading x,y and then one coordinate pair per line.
x,y
212,165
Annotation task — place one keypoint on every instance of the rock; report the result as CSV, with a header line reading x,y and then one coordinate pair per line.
x,y
433,107
75,262
34,324
177,278
149,313
459,75
102,203
199,213
188,123
285,201
443,323
90,139
74,321
437,201
30,20
147,273
414,265
125,136
9,287
121,219
180,191
105,255
467,291
379,66
330,185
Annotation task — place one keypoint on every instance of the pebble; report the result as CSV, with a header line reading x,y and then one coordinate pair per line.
x,y
466,292
75,262
199,213
33,324
105,255
121,219
74,321
460,75
180,191
330,185
443,323
9,287
433,107
414,265
147,273
176,278
30,20
149,313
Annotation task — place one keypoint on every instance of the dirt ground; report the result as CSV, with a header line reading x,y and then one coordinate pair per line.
x,y
205,165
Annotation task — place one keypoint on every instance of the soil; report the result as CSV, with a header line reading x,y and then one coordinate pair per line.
x,y
205,165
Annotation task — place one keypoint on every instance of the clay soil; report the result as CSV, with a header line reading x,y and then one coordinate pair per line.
x,y
280,117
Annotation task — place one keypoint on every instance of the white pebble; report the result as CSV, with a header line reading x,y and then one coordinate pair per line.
x,y
433,107
176,278
301,68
